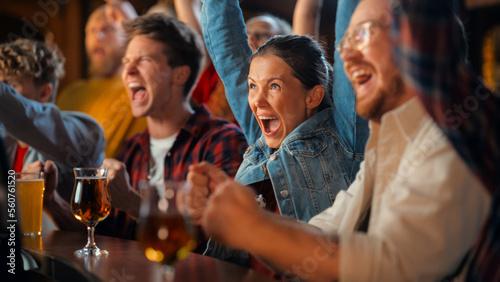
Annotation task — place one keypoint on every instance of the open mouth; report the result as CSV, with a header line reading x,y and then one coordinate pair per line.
x,y
269,124
360,77
138,91
361,80
98,51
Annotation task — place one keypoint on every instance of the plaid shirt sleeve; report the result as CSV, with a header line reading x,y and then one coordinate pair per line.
x,y
427,49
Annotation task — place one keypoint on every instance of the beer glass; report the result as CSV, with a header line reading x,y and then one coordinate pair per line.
x,y
164,229
29,191
90,204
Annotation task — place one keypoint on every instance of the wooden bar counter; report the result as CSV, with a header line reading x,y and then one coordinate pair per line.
x,y
53,257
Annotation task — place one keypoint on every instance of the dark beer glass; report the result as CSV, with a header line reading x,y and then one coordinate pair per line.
x,y
165,231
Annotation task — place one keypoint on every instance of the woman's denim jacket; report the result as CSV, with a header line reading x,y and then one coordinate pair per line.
x,y
307,170
316,160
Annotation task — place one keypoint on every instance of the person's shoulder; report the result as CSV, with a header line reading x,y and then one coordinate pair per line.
x,y
138,137
83,119
77,115
218,125
132,145
216,132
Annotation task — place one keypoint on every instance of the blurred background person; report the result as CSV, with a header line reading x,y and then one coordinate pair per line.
x,y
261,28
103,95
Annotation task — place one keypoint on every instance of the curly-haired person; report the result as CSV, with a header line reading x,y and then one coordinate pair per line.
x,y
37,134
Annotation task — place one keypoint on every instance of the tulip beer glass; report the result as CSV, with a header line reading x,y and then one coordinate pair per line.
x,y
90,204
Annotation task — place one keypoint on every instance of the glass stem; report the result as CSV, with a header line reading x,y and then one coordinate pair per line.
x,y
90,238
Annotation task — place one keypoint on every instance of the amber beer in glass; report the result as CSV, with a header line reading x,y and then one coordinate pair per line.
x,y
165,231
90,204
166,238
29,191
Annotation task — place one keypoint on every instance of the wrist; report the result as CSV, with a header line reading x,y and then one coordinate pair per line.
x,y
50,200
133,200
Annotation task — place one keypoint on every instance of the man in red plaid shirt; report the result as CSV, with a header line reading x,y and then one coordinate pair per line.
x,y
161,65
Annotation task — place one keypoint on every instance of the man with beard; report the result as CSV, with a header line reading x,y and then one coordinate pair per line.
x,y
413,211
103,95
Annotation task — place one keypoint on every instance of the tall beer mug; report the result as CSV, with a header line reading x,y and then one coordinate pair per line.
x,y
29,191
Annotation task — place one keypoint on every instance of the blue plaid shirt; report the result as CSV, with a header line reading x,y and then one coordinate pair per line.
x,y
429,54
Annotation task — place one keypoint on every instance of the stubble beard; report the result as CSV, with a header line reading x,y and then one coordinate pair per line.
x,y
106,68
388,99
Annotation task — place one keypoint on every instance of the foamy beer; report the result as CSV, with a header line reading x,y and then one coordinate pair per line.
x,y
29,194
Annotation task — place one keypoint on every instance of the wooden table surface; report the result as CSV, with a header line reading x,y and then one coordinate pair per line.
x,y
53,253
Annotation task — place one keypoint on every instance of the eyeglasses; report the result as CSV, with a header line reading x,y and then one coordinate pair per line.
x,y
358,38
